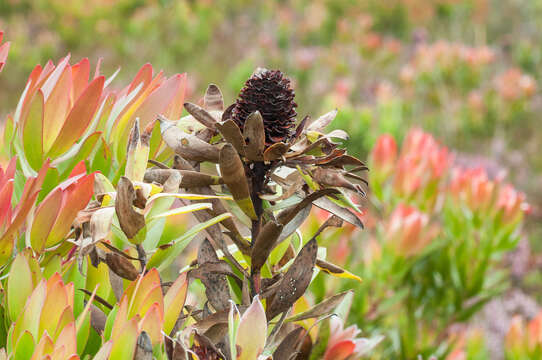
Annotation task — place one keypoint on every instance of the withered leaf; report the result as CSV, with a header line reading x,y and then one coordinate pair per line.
x,y
275,151
219,317
158,164
323,121
97,319
216,332
232,134
335,270
345,214
100,223
181,164
300,127
130,220
179,352
189,179
295,281
264,244
254,134
144,347
289,345
207,346
186,145
216,285
121,266
201,115
321,309
233,173
116,284
287,215
331,177
344,160
213,99
212,267
295,223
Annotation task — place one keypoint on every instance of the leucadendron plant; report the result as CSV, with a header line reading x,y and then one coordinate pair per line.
x,y
91,247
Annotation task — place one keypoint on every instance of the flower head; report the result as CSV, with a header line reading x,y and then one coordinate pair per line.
x,y
270,93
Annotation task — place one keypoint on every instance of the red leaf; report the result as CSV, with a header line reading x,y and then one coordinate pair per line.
x,y
80,74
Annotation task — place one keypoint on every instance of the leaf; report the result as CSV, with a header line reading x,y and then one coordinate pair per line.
x,y
19,286
25,347
44,219
124,345
254,133
295,281
105,350
289,345
174,301
216,285
275,151
143,347
189,179
183,210
75,198
322,122
32,131
232,134
264,243
335,270
233,173
213,99
131,222
187,146
288,215
201,115
321,309
78,118
252,331
121,266
165,255
345,214
137,154
57,104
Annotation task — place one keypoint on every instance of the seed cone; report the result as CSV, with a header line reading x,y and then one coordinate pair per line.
x,y
269,92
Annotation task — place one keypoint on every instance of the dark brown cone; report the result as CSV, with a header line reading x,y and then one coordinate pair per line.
x,y
269,92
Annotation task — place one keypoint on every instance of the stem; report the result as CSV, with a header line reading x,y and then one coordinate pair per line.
x,y
258,173
142,257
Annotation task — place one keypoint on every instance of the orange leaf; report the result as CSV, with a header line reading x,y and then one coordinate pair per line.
x,y
152,323
44,219
79,117
80,74
76,198
57,105
174,301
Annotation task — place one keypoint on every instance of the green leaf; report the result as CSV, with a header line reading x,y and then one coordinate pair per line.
x,y
32,132
165,255
19,286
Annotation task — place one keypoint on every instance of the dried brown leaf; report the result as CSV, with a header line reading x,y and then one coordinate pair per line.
x,y
323,121
275,151
287,215
295,281
264,244
254,134
121,266
345,214
216,285
289,345
233,173
130,220
186,145
201,115
232,134
321,309
143,347
213,99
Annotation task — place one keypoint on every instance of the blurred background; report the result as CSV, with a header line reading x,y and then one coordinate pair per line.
x,y
465,71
